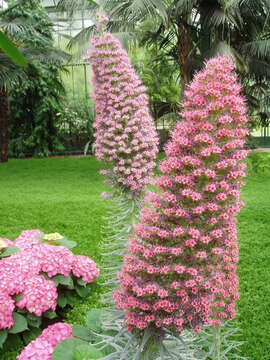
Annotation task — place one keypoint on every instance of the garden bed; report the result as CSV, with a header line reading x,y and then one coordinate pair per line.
x,y
64,195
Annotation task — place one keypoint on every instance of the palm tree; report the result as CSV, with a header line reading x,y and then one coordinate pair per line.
x,y
193,30
190,31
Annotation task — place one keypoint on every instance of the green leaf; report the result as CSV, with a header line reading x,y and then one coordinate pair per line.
x,y
67,243
66,349
82,333
62,300
13,342
3,337
94,319
50,314
20,324
63,280
10,49
9,251
33,320
31,335
18,297
82,291
71,298
82,282
88,352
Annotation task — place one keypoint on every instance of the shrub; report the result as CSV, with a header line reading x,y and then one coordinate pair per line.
x,y
39,280
75,124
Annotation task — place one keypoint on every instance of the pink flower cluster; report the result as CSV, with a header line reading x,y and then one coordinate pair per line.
x,y
43,346
125,134
21,273
180,270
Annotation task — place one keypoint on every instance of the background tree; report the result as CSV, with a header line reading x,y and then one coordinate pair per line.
x,y
35,93
186,32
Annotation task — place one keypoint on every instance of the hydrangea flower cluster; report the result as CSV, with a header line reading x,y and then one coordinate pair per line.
x,y
180,270
21,273
125,134
43,346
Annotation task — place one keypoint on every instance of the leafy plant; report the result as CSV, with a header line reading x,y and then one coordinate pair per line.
x,y
41,279
36,99
11,50
75,124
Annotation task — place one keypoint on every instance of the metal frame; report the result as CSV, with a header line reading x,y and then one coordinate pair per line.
x,y
69,27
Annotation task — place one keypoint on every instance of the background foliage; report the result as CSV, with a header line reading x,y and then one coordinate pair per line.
x,y
36,101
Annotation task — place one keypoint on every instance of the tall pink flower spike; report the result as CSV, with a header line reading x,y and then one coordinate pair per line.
x,y
125,134
180,271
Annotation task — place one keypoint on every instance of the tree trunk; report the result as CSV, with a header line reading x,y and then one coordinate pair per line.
x,y
4,137
184,53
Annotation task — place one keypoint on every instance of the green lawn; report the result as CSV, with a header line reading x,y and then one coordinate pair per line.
x,y
63,195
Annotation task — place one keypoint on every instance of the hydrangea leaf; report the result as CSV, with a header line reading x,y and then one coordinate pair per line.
x,y
67,243
20,324
63,280
9,251
82,291
3,337
33,320
50,314
31,335
62,300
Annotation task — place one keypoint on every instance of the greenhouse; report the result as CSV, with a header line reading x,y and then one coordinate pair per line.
x,y
134,173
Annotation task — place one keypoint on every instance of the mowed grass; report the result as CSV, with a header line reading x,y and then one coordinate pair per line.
x,y
63,195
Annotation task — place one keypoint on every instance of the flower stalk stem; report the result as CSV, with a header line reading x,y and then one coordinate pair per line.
x,y
217,342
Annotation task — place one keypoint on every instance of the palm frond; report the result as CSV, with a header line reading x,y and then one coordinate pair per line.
x,y
20,27
135,10
10,73
71,6
183,7
258,48
46,55
259,68
81,40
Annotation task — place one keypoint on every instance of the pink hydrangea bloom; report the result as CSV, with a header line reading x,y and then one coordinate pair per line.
x,y
39,295
125,134
56,333
85,268
180,270
54,260
6,311
20,274
27,239
37,350
43,346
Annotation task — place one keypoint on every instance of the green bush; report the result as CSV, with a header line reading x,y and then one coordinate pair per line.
x,y
34,104
75,124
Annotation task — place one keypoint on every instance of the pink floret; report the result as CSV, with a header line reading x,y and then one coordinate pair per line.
x,y
6,311
39,296
85,268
